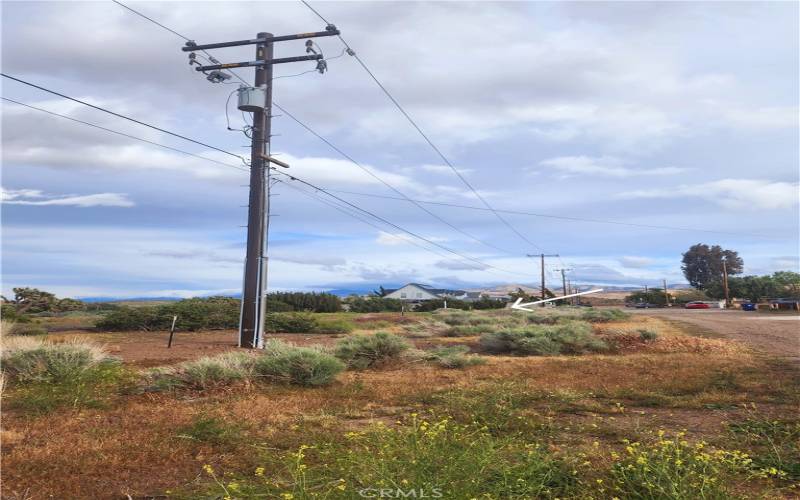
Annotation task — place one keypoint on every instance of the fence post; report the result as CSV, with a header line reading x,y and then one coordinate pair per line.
x,y
172,331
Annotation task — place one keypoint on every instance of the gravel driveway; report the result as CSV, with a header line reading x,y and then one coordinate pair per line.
x,y
776,334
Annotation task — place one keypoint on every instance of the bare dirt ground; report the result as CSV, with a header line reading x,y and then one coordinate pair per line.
x,y
775,334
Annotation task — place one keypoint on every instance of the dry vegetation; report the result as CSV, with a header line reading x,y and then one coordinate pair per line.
x,y
654,413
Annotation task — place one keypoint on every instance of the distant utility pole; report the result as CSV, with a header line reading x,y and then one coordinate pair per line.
x,y
725,283
542,256
258,100
646,295
666,293
564,280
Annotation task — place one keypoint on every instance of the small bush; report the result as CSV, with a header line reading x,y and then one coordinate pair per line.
x,y
647,335
27,359
193,314
775,443
573,337
297,365
372,304
289,323
454,357
333,325
363,351
44,376
604,315
217,370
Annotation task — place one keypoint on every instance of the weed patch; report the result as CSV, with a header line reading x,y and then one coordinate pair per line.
x,y
454,357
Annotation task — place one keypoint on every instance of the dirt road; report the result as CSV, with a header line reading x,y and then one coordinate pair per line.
x,y
778,335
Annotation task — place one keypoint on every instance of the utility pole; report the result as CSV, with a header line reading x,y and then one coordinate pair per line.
x,y
666,293
564,281
542,256
646,295
258,100
725,283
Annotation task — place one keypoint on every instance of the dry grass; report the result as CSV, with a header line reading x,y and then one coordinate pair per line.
x,y
132,447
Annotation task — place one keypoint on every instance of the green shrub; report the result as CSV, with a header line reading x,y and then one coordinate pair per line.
x,y
363,351
675,469
274,305
193,314
604,315
289,323
454,357
333,325
373,304
432,305
297,365
573,337
305,301
647,335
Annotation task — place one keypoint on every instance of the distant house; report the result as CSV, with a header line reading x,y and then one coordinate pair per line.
x,y
415,292
784,304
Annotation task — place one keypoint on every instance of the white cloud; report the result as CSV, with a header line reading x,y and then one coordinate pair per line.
x,y
731,193
636,262
603,166
35,197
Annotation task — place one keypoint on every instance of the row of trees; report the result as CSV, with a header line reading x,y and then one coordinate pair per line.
x,y
704,267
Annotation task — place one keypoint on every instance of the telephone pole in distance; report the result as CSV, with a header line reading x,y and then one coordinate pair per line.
x,y
564,279
542,256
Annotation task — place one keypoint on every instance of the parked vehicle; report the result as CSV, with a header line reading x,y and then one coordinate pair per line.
x,y
645,305
749,306
697,305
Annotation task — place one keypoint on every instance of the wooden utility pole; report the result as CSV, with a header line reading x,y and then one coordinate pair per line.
x,y
646,295
666,293
258,100
542,256
725,283
564,281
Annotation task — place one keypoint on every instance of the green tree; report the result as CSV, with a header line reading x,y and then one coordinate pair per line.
x,y
32,300
702,265
653,296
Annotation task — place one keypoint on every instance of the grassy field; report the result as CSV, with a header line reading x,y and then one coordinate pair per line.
x,y
558,404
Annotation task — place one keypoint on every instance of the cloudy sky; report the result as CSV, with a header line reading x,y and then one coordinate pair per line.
x,y
682,115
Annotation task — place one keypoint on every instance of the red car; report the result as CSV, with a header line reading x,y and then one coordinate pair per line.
x,y
697,305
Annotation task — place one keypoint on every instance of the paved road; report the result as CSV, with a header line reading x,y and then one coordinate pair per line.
x,y
778,335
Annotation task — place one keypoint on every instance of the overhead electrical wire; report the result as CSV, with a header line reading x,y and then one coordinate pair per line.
x,y
100,108
53,113
339,150
293,178
423,134
559,217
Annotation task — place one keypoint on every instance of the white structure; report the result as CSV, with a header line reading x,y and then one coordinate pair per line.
x,y
415,292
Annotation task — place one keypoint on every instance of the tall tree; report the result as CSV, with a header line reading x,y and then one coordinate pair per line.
x,y
702,265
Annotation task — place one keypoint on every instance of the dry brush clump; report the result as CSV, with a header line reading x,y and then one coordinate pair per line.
x,y
280,362
30,359
363,351
572,337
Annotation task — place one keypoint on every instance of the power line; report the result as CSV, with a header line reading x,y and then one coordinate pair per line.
x,y
389,223
294,178
560,217
124,134
99,108
333,146
423,134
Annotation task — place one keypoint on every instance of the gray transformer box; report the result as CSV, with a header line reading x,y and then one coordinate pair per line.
x,y
252,98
